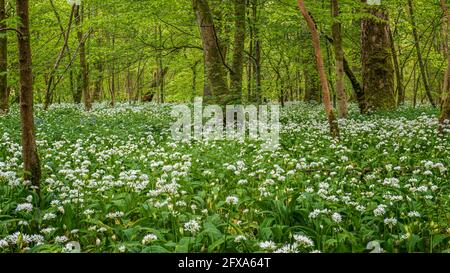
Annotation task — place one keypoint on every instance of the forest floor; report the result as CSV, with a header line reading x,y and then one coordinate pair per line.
x,y
114,181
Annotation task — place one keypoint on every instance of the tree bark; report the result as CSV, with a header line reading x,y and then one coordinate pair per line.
x,y
257,53
4,92
334,127
356,85
83,62
445,109
339,53
215,70
113,76
376,57
238,51
250,57
31,164
419,54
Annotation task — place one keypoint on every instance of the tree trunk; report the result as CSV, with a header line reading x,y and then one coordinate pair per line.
x,y
339,53
4,92
98,81
398,73
194,80
83,62
238,51
445,111
159,60
49,91
257,53
419,54
31,164
78,94
356,85
214,63
98,88
128,84
113,76
376,57
250,60
445,29
334,126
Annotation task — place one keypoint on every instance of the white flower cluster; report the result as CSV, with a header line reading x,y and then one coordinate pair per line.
x,y
113,215
303,240
232,200
19,237
192,226
267,245
380,210
24,207
149,238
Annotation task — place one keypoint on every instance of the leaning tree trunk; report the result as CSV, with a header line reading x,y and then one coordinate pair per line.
x,y
83,62
238,51
376,58
334,127
445,112
66,34
31,164
419,54
339,53
214,62
4,93
359,93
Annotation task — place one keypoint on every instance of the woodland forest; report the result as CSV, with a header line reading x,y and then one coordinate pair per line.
x,y
88,162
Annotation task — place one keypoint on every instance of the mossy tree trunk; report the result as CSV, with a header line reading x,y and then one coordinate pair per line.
x,y
376,58
214,62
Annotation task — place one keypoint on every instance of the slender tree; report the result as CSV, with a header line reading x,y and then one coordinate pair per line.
x,y
4,93
83,62
419,54
31,164
339,54
334,127
49,93
238,51
257,43
398,73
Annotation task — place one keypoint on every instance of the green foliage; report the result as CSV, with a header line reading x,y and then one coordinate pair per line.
x,y
114,181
